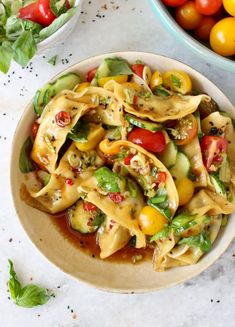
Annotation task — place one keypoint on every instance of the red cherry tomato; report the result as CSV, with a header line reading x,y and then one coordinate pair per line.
x,y
174,3
91,74
187,16
68,4
63,118
138,69
208,7
116,197
127,160
34,130
28,12
44,15
202,32
151,141
212,148
88,206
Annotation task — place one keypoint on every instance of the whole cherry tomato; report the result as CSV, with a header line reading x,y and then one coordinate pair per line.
x,y
202,32
44,15
151,141
187,16
229,6
174,3
28,12
208,7
138,69
222,37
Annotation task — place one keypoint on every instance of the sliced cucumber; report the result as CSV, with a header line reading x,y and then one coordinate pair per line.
x,y
82,220
199,130
224,172
153,127
218,185
168,155
181,167
48,91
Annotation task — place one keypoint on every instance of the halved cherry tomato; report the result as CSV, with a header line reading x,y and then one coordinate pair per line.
x,y
28,12
43,12
63,118
34,130
138,69
91,74
151,141
174,3
208,7
88,206
202,32
212,149
127,160
185,130
116,197
229,6
68,4
187,16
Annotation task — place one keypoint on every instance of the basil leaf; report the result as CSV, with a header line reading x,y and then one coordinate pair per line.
x,y
25,163
162,234
107,180
32,295
201,240
56,24
99,219
79,132
161,91
24,48
175,80
58,7
13,283
52,60
132,187
28,296
6,54
16,26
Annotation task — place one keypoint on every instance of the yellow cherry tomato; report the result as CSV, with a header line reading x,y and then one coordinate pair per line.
x,y
107,148
96,134
119,79
185,188
229,6
177,81
133,86
151,220
156,80
82,86
222,37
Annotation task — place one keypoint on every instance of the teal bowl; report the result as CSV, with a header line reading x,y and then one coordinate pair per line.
x,y
182,36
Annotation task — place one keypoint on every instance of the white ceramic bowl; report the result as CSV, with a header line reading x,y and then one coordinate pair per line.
x,y
101,274
62,33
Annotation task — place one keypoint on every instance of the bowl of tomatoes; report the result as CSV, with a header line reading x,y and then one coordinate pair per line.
x,y
206,26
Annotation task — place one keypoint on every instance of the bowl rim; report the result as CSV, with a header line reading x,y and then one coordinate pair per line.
x,y
182,36
41,251
47,41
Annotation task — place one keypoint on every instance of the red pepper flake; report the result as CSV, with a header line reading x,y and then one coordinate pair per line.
x,y
69,181
127,160
88,206
63,118
161,178
135,101
116,197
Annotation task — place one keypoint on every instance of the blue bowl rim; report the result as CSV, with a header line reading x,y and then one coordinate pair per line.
x,y
192,43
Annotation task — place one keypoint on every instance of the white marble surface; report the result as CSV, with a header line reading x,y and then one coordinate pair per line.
x,y
207,300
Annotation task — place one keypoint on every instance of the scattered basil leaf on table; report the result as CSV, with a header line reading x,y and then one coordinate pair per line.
x,y
52,60
28,296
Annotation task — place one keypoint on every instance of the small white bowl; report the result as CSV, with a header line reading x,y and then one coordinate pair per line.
x,y
102,274
62,33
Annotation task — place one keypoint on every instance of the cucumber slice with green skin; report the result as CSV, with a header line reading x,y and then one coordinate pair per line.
x,y
225,172
168,155
153,127
218,185
47,92
81,220
181,167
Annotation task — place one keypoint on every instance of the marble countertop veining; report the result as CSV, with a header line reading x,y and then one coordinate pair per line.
x,y
207,300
